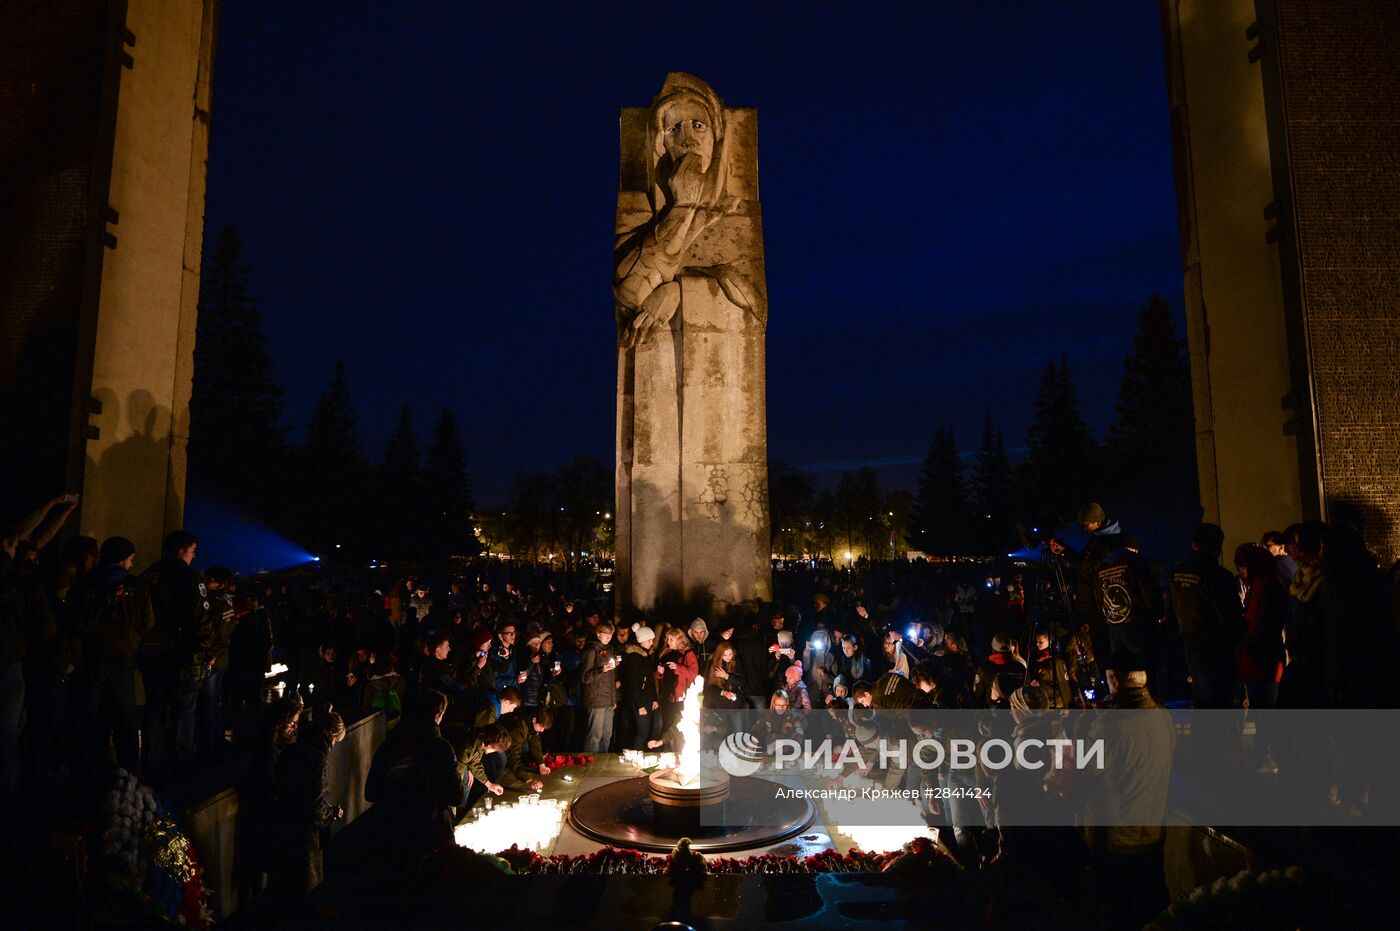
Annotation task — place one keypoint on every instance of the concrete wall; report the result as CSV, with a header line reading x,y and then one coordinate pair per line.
x,y
212,824
135,473
1235,316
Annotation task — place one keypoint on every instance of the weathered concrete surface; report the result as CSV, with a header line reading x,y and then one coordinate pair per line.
x,y
134,482
692,309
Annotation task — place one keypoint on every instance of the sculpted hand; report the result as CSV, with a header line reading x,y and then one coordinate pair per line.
x,y
687,182
657,310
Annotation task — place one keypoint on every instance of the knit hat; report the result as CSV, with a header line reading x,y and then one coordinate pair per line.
x,y
642,633
480,640
1092,513
1001,644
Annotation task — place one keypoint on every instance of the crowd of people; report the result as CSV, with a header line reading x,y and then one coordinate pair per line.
x,y
109,657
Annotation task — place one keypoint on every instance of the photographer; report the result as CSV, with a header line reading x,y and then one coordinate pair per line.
x,y
781,655
820,662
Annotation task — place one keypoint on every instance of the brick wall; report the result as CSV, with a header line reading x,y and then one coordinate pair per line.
x,y
1339,71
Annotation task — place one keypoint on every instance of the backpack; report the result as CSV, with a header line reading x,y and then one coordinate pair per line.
x,y
387,700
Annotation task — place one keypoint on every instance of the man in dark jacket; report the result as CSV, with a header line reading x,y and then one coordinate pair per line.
x,y
525,727
414,785
1207,608
1126,596
752,649
172,651
116,615
599,675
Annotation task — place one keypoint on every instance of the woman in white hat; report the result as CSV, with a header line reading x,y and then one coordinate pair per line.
x,y
641,710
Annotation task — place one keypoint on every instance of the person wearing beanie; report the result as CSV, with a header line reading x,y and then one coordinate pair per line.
x,y
1000,674
796,688
640,705
472,669
1092,517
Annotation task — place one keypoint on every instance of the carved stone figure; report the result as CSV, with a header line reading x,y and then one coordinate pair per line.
x,y
692,308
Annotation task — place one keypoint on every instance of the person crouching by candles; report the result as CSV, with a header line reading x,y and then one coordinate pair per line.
x,y
471,763
525,728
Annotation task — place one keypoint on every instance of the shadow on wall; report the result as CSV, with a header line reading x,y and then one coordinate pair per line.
x,y
1373,523
128,482
730,556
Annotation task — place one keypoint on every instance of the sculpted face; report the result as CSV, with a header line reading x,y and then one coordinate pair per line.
x,y
687,129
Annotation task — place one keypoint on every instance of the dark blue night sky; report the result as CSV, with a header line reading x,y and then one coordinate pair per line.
x,y
951,196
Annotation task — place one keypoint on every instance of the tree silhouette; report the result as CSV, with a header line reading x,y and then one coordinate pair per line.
x,y
447,492
790,499
333,472
237,448
940,516
1059,474
1151,448
991,492
584,490
399,494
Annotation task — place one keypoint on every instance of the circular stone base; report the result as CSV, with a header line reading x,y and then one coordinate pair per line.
x,y
622,813
707,790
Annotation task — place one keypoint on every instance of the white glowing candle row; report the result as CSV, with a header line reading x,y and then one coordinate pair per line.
x,y
897,821
532,823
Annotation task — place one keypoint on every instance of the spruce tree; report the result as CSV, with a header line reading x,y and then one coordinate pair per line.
x,y
1151,448
399,493
237,448
940,516
991,491
1061,466
333,472
1154,435
447,491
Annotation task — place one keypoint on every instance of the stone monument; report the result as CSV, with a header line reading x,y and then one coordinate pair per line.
x,y
692,308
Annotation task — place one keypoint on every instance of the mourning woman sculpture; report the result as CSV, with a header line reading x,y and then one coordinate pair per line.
x,y
692,306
